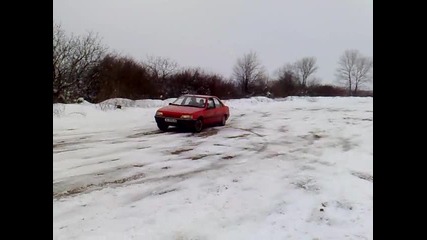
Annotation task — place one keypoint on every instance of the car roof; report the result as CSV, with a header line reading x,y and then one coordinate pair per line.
x,y
198,95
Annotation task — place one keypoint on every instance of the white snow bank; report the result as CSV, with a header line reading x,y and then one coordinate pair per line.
x,y
145,103
82,109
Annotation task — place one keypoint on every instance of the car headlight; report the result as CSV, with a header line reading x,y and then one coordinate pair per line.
x,y
186,116
159,114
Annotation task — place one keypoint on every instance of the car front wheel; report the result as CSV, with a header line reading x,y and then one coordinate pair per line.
x,y
163,127
198,125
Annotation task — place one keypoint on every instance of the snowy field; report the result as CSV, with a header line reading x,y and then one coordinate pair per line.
x,y
296,168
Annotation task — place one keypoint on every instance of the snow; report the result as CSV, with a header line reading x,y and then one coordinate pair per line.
x,y
146,103
293,168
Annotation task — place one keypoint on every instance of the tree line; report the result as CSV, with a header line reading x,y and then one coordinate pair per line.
x,y
83,67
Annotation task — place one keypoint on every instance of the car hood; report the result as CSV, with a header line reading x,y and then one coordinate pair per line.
x,y
179,109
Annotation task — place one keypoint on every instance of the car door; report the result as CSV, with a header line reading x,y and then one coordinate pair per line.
x,y
210,115
219,111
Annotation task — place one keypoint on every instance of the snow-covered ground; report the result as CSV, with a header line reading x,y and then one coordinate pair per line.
x,y
296,168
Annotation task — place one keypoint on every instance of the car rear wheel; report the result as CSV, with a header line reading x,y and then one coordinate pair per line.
x,y
198,125
163,127
223,120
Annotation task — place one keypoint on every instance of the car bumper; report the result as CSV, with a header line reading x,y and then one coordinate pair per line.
x,y
179,122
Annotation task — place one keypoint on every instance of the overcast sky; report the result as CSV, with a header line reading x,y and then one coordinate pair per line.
x,y
212,34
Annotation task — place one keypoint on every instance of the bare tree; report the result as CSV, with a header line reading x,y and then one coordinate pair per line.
x,y
122,76
249,72
364,66
161,69
354,70
61,52
287,80
73,59
304,68
87,54
346,66
287,70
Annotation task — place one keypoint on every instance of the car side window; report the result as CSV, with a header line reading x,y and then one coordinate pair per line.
x,y
211,103
217,103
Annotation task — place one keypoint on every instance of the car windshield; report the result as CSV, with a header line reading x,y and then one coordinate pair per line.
x,y
190,101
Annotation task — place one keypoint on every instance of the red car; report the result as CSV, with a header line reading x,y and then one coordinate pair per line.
x,y
194,111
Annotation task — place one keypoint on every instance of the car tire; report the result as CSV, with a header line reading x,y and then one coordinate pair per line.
x,y
198,125
163,127
223,120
